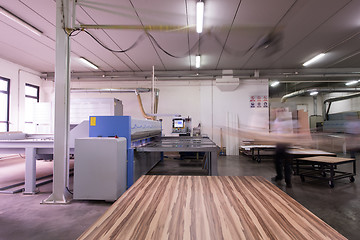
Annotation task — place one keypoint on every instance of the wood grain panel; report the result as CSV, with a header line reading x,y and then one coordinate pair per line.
x,y
207,207
326,159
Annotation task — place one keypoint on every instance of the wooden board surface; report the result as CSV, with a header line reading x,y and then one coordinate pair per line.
x,y
326,159
207,207
309,151
248,147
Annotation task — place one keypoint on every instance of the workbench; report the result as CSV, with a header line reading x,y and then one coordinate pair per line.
x,y
207,207
37,146
325,168
185,144
257,149
296,152
309,152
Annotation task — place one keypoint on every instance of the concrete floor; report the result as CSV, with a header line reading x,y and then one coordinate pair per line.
x,y
23,217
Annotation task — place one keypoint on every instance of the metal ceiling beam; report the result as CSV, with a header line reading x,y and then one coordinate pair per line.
x,y
282,75
136,27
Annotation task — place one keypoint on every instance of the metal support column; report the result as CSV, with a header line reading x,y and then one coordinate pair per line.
x,y
60,194
315,105
213,164
30,170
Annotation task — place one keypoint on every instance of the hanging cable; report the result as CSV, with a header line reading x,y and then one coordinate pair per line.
x,y
75,32
172,55
117,51
162,49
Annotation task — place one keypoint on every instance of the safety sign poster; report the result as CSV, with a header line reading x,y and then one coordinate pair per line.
x,y
259,101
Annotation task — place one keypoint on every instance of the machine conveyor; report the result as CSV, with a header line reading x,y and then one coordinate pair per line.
x,y
185,144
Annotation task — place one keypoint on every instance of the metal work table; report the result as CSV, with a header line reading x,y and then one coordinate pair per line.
x,y
296,152
257,148
33,149
308,152
185,144
326,165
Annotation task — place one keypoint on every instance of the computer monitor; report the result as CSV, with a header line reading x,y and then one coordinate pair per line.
x,y
178,123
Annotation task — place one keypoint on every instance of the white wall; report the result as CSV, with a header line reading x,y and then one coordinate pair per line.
x,y
18,76
200,100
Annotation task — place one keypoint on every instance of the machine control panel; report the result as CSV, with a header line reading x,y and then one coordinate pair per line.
x,y
181,125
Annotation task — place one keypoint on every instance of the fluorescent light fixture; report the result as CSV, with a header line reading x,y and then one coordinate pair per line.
x,y
19,21
197,61
314,93
275,83
352,83
199,16
88,63
314,59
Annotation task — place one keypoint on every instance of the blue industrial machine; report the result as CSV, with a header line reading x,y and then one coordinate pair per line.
x,y
137,133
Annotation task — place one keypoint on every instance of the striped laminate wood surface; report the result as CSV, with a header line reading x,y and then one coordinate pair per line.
x,y
207,207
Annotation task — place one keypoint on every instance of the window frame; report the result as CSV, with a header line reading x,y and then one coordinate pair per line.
x,y
37,89
33,97
8,102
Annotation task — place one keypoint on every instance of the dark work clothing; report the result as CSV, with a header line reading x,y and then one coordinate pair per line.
x,y
283,161
352,142
353,152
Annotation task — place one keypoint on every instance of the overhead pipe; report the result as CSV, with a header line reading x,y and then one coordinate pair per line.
x,y
142,108
156,105
325,89
329,74
109,90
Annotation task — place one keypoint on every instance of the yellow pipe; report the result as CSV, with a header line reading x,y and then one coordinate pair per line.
x,y
142,108
156,103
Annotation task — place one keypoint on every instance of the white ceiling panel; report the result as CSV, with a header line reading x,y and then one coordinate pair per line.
x,y
236,35
25,43
25,59
303,20
330,34
249,29
217,22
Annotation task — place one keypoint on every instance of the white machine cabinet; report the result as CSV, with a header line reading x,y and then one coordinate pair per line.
x,y
99,168
82,108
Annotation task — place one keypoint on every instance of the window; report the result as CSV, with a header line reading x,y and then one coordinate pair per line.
x,y
31,97
4,104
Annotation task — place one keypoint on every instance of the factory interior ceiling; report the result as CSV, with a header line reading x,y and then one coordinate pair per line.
x,y
253,38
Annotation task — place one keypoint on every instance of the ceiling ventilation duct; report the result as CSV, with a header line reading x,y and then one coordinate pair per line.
x,y
227,82
335,99
320,89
